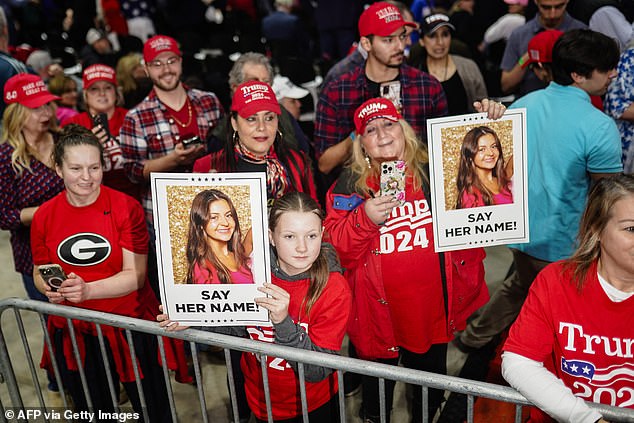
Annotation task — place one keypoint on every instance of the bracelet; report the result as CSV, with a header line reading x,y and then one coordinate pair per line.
x,y
521,61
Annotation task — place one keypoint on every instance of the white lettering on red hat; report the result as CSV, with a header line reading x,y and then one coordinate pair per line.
x,y
160,44
254,87
371,108
11,95
389,14
34,88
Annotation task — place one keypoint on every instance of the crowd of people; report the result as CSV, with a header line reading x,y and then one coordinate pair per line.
x,y
99,95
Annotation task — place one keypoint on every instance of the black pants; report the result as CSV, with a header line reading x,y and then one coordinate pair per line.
x,y
327,413
434,360
153,382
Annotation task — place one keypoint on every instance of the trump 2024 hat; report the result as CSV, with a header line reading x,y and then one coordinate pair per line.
x,y
97,73
374,109
157,45
28,90
252,97
381,19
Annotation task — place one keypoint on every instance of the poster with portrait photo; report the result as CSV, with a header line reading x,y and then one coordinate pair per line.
x,y
478,180
212,246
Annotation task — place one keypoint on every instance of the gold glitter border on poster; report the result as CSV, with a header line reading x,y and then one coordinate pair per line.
x,y
179,201
451,139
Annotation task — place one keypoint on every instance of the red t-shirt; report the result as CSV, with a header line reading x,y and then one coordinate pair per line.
x,y
89,241
584,337
114,175
325,326
415,299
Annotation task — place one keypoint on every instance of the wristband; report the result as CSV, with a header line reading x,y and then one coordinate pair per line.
x,y
521,61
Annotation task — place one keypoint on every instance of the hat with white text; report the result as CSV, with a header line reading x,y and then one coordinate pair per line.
x,y
252,97
97,73
431,23
28,90
381,19
157,45
373,109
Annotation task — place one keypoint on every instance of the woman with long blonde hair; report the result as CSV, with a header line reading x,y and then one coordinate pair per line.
x,y
414,310
27,174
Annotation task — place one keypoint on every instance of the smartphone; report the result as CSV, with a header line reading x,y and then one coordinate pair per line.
x,y
393,179
102,119
188,142
392,91
53,275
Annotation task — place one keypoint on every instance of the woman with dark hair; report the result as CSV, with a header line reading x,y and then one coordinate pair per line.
x,y
572,340
255,144
215,249
483,177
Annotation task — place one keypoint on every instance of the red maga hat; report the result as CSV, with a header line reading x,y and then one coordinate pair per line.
x,y
97,73
157,45
252,97
381,19
373,109
28,90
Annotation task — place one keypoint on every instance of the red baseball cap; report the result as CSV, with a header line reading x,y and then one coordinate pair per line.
x,y
373,109
540,47
381,19
252,97
28,90
157,45
99,72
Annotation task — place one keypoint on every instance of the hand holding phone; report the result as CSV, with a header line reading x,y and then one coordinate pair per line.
x,y
53,275
101,119
393,179
192,141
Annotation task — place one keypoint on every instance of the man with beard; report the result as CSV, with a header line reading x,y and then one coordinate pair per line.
x,y
157,134
416,94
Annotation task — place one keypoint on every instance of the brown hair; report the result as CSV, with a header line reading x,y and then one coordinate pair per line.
x,y
601,199
467,178
197,248
319,271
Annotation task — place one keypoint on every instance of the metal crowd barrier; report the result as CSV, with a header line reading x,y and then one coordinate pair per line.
x,y
471,389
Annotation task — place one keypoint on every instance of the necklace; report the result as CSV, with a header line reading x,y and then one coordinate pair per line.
x,y
189,115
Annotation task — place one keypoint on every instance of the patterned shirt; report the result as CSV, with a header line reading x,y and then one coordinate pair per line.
x,y
422,97
147,134
618,99
31,189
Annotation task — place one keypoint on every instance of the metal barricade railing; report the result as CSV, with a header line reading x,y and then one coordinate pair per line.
x,y
471,389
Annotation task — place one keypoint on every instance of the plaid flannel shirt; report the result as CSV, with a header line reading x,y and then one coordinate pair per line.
x,y
422,97
146,134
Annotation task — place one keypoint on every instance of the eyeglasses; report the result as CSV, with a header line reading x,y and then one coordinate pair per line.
x,y
157,64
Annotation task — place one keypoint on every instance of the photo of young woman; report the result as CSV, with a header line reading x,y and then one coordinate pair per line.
x,y
484,177
216,251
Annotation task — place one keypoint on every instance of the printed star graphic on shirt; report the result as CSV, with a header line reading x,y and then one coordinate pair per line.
x,y
574,368
565,365
586,370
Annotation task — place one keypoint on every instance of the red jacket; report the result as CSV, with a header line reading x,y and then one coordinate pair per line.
x,y
356,239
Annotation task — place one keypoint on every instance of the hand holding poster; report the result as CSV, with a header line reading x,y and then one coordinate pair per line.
x,y
478,183
212,246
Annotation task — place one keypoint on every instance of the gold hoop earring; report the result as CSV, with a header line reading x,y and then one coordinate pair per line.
x,y
236,138
280,134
